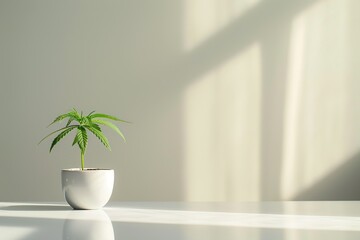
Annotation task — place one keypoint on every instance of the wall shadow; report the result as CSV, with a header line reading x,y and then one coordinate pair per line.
x,y
275,48
340,184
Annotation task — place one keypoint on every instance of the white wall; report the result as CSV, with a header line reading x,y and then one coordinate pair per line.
x,y
230,100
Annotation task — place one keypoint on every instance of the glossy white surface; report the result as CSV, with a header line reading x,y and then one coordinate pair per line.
x,y
156,220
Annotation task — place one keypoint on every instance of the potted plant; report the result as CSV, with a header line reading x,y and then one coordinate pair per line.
x,y
86,188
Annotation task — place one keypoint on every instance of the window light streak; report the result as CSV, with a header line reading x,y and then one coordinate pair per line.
x,y
254,220
222,124
292,108
186,217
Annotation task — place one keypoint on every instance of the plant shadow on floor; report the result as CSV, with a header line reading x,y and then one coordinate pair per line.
x,y
36,207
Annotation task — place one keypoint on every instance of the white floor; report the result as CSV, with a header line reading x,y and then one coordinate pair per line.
x,y
171,220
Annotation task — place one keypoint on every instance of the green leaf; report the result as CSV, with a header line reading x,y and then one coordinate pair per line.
x,y
59,118
101,115
60,136
90,113
100,136
74,115
91,123
75,140
69,121
111,125
82,138
57,131
96,126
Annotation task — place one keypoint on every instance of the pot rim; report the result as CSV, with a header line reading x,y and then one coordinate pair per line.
x,y
86,169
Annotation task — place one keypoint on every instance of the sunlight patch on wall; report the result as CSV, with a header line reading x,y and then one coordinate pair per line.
x,y
222,131
292,105
204,18
318,123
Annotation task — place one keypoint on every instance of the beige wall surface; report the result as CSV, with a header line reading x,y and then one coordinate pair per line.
x,y
230,100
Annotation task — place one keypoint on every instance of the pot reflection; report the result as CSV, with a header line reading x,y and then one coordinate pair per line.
x,y
89,225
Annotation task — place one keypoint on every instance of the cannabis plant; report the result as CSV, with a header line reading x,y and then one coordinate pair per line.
x,y
83,124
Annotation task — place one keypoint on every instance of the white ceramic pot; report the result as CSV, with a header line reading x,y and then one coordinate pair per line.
x,y
87,189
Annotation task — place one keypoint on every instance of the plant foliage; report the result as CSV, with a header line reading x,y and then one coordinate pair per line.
x,y
82,124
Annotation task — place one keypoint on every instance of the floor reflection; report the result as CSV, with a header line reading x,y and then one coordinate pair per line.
x,y
88,225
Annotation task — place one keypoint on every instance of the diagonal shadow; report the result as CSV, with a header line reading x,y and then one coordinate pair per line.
x,y
254,25
340,184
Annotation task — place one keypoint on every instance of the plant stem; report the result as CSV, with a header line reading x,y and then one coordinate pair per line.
x,y
82,160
